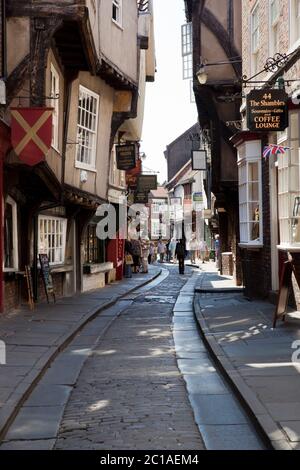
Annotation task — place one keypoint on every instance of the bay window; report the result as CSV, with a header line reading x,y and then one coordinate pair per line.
x,y
52,238
250,193
289,186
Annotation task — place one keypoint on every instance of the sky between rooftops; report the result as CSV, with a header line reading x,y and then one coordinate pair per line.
x,y
168,110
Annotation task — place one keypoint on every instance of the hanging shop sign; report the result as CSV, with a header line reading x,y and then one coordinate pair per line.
x,y
31,133
141,197
198,197
147,182
126,156
132,175
199,160
267,110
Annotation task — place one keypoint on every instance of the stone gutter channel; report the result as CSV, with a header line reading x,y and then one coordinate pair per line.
x,y
47,384
224,417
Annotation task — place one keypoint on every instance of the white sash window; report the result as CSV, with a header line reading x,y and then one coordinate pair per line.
x,y
54,79
250,193
52,238
117,11
88,106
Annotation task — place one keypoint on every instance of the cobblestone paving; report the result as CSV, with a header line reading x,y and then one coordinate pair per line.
x,y
130,394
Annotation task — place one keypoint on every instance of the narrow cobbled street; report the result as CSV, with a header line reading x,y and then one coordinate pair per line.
x,y
130,393
138,376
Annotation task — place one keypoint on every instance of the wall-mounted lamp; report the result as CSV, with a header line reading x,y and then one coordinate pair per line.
x,y
202,75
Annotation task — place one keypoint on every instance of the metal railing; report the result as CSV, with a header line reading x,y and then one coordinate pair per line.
x,y
143,6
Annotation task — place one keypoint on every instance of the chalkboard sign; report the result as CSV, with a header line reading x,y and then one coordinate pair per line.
x,y
46,276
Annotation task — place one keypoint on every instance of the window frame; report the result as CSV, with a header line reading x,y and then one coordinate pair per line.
x,y
158,229
91,232
254,51
118,4
156,205
92,165
294,29
55,105
46,217
273,28
244,162
9,200
187,50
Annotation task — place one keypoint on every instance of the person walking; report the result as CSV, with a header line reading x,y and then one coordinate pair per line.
x,y
128,259
136,254
193,249
217,250
203,250
180,253
172,248
168,253
145,254
151,253
161,249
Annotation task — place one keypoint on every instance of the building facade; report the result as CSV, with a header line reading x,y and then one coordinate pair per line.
x,y
88,61
268,196
214,35
188,189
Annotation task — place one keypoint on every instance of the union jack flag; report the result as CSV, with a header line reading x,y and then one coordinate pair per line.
x,y
272,149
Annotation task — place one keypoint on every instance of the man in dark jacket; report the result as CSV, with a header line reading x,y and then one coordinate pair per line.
x,y
180,254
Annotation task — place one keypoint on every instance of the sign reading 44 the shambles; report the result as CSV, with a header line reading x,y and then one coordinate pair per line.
x,y
267,110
